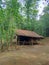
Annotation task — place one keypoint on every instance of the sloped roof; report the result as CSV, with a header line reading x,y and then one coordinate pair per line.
x,y
28,33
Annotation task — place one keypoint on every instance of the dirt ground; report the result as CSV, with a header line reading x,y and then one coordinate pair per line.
x,y
27,55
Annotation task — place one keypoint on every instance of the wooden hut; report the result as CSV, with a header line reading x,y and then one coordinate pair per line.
x,y
26,37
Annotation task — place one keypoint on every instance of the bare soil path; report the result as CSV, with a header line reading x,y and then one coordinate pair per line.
x,y
26,55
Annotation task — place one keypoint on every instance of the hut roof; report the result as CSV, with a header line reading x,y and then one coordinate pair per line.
x,y
28,33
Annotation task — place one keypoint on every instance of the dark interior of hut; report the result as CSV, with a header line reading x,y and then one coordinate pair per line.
x,y
23,40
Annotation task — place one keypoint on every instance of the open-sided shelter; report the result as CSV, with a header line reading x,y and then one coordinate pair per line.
x,y
26,37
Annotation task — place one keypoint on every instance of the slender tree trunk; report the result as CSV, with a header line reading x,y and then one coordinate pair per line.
x,y
7,41
1,46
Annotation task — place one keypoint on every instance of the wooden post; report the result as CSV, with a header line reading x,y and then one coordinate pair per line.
x,y
24,42
16,40
32,41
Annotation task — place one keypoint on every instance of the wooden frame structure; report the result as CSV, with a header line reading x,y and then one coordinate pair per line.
x,y
26,37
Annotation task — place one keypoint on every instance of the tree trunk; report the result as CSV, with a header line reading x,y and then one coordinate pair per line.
x,y
1,46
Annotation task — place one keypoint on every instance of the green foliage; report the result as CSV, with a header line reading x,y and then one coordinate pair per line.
x,y
8,21
30,13
15,16
45,19
42,26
